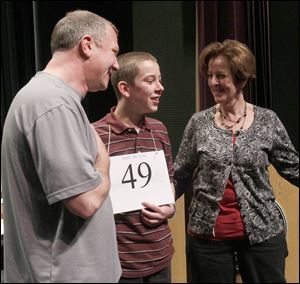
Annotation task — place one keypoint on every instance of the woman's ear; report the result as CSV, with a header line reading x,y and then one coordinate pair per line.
x,y
124,89
243,84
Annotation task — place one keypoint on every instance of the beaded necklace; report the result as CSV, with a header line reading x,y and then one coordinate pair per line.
x,y
229,127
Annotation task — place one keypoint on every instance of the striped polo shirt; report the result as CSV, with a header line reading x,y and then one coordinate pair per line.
x,y
143,250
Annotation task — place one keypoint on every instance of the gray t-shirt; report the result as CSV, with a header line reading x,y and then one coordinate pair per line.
x,y
48,152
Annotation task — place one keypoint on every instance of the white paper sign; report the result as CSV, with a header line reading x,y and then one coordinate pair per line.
x,y
139,177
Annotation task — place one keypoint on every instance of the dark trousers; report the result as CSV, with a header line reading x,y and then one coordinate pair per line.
x,y
163,276
217,261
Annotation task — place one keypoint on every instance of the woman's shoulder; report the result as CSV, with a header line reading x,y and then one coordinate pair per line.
x,y
264,112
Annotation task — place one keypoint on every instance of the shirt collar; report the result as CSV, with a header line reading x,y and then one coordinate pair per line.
x,y
119,127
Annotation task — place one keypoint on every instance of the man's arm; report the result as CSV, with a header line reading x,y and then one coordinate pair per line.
x,y
86,204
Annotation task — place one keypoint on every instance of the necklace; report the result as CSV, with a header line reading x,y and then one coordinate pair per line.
x,y
229,127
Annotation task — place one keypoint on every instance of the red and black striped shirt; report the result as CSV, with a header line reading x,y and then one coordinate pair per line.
x,y
143,250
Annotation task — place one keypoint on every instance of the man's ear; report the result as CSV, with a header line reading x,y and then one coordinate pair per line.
x,y
124,89
86,46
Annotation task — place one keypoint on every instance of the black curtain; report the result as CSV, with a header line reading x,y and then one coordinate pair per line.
x,y
17,50
258,24
26,28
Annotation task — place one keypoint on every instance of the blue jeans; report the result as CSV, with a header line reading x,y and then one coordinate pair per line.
x,y
212,261
163,276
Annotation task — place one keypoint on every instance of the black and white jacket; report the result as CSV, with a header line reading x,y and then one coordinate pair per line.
x,y
207,157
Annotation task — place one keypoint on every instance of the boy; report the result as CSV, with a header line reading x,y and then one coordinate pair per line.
x,y
144,238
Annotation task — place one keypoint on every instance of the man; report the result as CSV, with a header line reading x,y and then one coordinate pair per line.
x,y
59,224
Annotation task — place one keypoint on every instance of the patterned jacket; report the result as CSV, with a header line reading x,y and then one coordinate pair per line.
x,y
207,157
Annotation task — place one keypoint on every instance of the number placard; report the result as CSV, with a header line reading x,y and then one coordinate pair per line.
x,y
139,177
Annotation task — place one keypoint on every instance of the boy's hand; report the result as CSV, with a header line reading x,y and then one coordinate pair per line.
x,y
153,215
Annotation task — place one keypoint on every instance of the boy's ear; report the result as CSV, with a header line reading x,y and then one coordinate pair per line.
x,y
124,89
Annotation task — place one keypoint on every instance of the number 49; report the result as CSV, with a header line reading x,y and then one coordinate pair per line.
x,y
129,177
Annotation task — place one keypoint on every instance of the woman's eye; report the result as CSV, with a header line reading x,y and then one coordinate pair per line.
x,y
221,76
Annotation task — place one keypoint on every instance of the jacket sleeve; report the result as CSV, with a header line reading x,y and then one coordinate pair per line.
x,y
186,160
284,156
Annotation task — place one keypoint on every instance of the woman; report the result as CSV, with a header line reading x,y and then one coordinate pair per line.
x,y
225,152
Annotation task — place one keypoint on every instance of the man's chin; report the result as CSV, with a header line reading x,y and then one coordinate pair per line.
x,y
103,87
